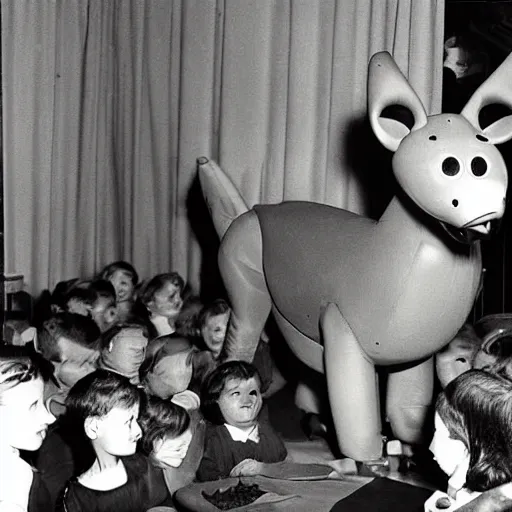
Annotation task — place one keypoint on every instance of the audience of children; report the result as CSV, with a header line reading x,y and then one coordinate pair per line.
x,y
107,345
24,420
106,406
472,442
239,439
113,349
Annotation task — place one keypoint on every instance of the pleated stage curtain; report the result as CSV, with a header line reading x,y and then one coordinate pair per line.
x,y
108,104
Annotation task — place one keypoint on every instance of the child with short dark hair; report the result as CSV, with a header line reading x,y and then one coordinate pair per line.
x,y
239,440
175,369
160,301
173,439
106,406
213,322
124,278
123,350
71,343
187,321
162,422
96,299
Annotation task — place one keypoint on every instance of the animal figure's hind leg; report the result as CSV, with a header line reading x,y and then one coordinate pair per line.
x,y
409,395
241,268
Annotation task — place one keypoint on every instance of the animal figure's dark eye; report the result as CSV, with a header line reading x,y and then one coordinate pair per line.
x,y
478,166
451,166
482,138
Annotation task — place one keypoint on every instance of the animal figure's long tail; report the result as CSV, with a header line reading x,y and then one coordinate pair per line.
x,y
220,194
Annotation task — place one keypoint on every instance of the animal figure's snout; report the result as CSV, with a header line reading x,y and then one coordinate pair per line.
x,y
482,227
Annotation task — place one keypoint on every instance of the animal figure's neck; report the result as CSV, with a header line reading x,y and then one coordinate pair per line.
x,y
404,217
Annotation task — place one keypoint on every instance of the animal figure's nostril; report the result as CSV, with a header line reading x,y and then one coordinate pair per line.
x,y
455,203
478,166
451,166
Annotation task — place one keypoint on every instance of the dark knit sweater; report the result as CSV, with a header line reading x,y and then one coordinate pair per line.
x,y
144,489
222,453
39,497
64,454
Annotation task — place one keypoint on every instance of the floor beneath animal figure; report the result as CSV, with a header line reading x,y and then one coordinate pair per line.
x,y
419,471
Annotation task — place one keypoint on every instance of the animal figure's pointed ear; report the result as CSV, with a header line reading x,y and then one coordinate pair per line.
x,y
387,86
496,89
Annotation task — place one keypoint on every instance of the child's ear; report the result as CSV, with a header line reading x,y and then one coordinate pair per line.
x,y
91,427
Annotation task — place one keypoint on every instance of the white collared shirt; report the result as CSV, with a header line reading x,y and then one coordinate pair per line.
x,y
238,434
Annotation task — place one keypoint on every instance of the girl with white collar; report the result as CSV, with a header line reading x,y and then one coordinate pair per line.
x,y
239,440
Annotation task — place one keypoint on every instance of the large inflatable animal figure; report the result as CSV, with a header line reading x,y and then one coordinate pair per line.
x,y
351,293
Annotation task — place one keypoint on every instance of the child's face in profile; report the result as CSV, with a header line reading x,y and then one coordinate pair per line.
x,y
75,362
117,432
456,358
240,402
166,301
214,332
172,450
104,313
448,453
123,284
24,418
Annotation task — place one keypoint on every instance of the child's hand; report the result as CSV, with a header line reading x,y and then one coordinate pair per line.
x,y
439,502
248,467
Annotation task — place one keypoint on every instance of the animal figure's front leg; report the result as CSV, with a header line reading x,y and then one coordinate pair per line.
x,y
241,268
353,389
409,395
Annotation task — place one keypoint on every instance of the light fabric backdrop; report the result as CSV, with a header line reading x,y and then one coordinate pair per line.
x,y
108,104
